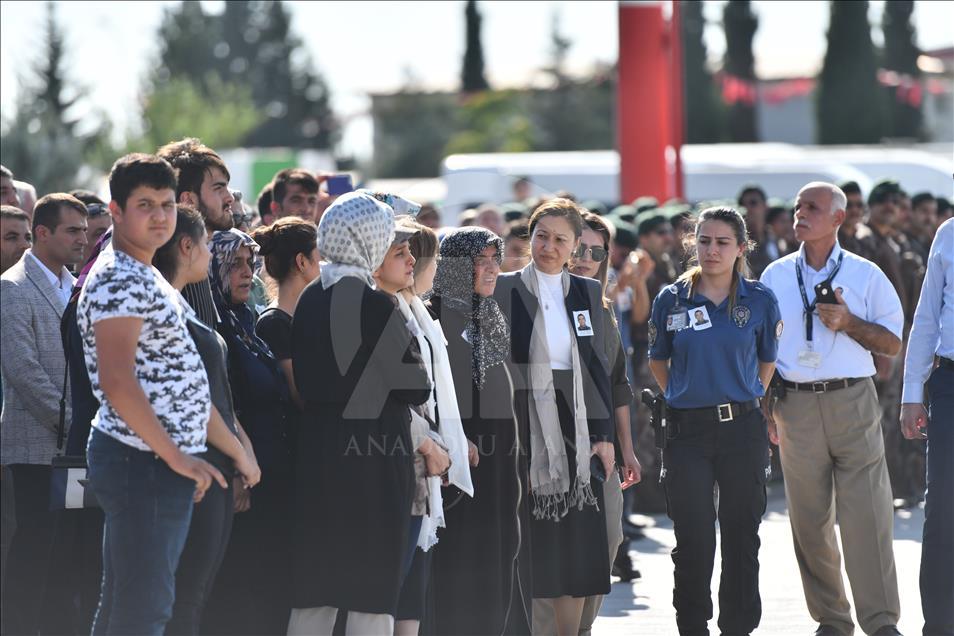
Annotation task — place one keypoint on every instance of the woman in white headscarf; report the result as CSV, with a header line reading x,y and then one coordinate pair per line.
x,y
358,369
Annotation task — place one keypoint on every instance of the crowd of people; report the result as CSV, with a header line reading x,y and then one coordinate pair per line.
x,y
334,413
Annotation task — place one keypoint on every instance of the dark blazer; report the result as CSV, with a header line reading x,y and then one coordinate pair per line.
x,y
358,369
520,307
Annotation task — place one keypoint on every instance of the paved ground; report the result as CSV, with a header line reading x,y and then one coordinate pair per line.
x,y
645,606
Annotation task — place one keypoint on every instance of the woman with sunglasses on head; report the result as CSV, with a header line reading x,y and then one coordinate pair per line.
x,y
590,260
713,341
563,394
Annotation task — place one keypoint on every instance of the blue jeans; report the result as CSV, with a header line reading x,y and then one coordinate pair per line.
x,y
148,508
937,546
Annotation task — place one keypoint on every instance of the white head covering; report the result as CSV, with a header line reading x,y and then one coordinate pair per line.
x,y
354,235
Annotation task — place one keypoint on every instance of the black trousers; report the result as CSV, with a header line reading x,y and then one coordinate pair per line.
x,y
201,557
25,578
734,455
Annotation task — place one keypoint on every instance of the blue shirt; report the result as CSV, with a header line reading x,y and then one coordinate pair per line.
x,y
933,328
720,363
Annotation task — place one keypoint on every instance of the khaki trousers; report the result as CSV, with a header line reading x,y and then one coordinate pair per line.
x,y
832,453
544,618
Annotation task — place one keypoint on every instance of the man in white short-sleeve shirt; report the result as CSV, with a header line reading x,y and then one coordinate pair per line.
x,y
154,404
838,309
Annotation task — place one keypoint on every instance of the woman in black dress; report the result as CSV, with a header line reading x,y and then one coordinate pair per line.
x,y
251,594
182,260
289,247
358,370
563,395
481,571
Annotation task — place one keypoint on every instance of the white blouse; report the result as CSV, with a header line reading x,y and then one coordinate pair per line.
x,y
555,319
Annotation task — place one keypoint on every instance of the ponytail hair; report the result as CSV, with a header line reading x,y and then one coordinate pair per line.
x,y
732,218
281,242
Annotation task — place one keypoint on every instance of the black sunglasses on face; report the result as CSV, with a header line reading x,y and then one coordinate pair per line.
x,y
597,252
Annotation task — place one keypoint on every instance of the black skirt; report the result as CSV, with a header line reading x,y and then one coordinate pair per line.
x,y
570,557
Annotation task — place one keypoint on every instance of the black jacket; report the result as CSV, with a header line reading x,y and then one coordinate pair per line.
x,y
520,307
357,368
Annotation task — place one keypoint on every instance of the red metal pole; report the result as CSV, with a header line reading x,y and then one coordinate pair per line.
x,y
678,83
643,98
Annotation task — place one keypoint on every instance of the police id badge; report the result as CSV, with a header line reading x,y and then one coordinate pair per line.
x,y
677,321
741,315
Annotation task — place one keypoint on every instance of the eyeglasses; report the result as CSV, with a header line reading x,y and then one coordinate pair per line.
x,y
597,252
97,209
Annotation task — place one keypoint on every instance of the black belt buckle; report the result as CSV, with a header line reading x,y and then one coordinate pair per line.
x,y
725,412
819,387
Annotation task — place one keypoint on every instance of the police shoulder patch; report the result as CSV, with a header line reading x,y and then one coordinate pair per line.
x,y
741,315
652,333
778,329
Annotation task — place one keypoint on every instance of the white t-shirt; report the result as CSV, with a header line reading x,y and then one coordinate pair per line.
x,y
556,320
168,365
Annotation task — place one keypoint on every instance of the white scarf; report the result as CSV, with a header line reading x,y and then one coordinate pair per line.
x,y
550,484
449,423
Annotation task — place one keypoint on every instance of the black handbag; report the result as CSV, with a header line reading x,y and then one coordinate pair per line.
x,y
69,485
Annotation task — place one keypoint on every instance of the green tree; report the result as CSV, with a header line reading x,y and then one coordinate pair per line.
x,y
903,117
45,141
411,131
849,98
221,117
250,44
702,105
740,26
472,74
492,121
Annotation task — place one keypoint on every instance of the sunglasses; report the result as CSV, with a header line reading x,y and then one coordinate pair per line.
x,y
597,252
97,209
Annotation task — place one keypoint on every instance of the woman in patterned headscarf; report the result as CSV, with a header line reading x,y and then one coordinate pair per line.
x,y
481,572
251,591
358,369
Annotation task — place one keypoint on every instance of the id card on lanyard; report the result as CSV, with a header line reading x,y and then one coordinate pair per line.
x,y
809,357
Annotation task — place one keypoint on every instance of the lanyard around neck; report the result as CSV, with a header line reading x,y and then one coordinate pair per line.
x,y
810,308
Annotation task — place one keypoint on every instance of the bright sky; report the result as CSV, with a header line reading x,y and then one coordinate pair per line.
x,y
363,47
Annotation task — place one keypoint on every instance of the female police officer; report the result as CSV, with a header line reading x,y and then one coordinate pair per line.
x,y
713,342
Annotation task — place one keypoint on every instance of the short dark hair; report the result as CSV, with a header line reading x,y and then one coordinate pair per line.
x,y
851,187
282,241
15,213
47,209
519,229
87,197
5,171
264,201
752,188
188,223
563,208
192,160
293,176
139,169
921,197
775,212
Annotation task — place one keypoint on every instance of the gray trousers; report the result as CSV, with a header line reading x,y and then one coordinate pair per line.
x,y
320,621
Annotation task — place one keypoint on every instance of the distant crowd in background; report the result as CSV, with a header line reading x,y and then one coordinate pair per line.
x,y
185,340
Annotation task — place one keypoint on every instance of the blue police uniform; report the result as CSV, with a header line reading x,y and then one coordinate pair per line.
x,y
717,436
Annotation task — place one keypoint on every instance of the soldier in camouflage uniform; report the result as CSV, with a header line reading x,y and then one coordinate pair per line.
x,y
883,243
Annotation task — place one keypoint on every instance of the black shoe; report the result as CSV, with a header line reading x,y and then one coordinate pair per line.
x,y
887,630
828,630
623,568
